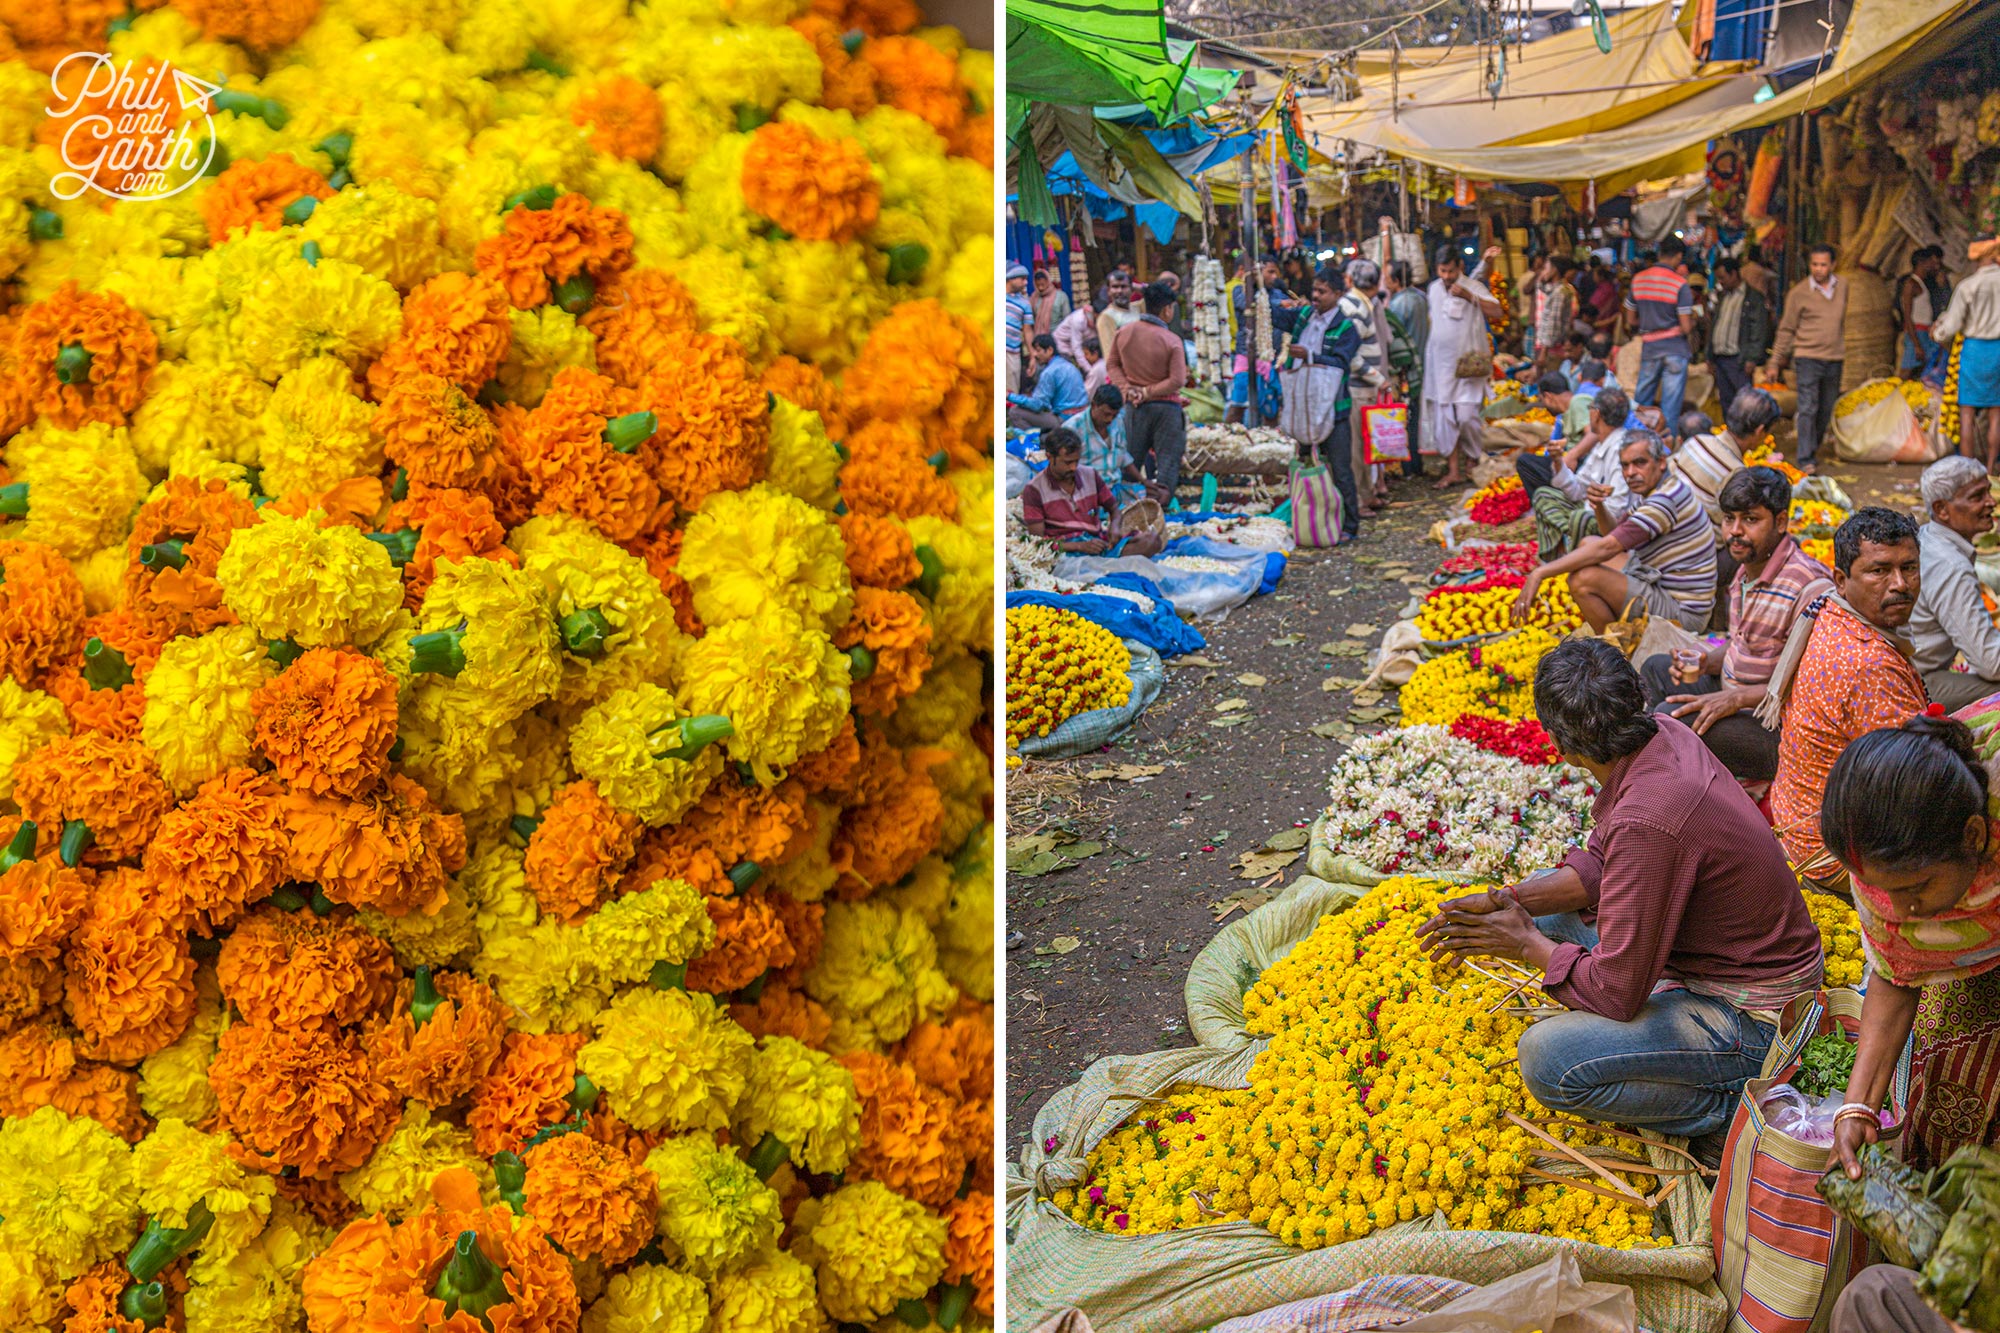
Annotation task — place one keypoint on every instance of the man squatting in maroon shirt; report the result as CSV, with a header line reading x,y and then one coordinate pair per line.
x,y
1673,936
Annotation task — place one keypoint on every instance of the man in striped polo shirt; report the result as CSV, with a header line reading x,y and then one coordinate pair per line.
x,y
1661,554
1663,305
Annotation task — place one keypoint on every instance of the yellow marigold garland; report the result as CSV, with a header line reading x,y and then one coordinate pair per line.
x,y
1059,665
1493,680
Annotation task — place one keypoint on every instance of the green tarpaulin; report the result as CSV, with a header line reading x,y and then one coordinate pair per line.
x,y
1096,53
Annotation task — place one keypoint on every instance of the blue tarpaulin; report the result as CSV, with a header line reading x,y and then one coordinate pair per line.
x,y
1159,629
1188,148
1274,561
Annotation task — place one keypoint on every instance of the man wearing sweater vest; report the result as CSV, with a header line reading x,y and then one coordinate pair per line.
x,y
1813,337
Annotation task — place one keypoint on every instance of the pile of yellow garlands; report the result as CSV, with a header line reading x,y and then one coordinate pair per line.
x,y
495,588
1060,665
1450,614
1492,680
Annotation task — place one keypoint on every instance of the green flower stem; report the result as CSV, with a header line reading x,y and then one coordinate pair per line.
x,y
583,1095
22,848
73,364
546,64
510,1173
914,1313
574,295
300,209
860,663
695,734
585,631
146,1303
266,109
340,178
953,1300
840,509
104,667
769,1154
401,546
744,873
45,224
216,156
287,898
938,461
749,117
396,750
159,1246
76,840
470,1281
14,500
283,652
932,577
537,199
169,554
319,902
399,485
628,432
427,998
669,976
441,652
576,1124
311,253
840,451
906,263
337,146
524,826
851,40
754,992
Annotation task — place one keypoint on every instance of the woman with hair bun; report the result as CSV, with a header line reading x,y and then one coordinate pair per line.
x,y
1908,811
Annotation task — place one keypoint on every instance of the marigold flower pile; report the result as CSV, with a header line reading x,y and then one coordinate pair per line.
x,y
1380,1098
1840,936
1493,680
1498,502
1059,665
1487,607
1816,519
1766,456
495,598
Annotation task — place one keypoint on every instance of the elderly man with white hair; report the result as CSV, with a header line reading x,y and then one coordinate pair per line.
x,y
1951,616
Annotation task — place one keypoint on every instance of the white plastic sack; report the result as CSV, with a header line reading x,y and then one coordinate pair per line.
x,y
1019,474
1200,594
1881,432
1312,402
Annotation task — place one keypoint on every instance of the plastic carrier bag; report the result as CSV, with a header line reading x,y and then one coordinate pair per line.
x,y
1103,726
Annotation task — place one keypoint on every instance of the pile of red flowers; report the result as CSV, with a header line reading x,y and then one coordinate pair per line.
x,y
1495,508
1500,558
1523,740
1487,584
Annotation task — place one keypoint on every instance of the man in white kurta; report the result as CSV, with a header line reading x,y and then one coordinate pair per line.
x,y
1460,305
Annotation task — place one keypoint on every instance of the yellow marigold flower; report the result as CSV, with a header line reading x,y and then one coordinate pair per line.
x,y
24,99
102,574
83,485
257,1291
28,1289
173,1083
649,1298
178,1166
29,720
66,1191
333,308
749,549
396,1179
668,1059
967,286
509,644
713,194
198,721
975,500
780,682
630,638
320,587
965,934
625,746
687,129
947,704
963,607
667,921
877,975
428,941
315,431
715,1214
546,339
544,975
729,67
871,1248
390,235
195,410
496,888
661,227
730,295
824,298
802,460
810,874
804,1099
777,1294
456,751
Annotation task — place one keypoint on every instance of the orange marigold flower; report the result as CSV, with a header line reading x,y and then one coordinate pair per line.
x,y
113,786
888,475
801,384
508,487
607,1127
93,1299
742,821
974,139
539,250
41,903
39,1067
252,194
41,609
352,503
392,850
323,1200
456,325
301,1097
202,516
933,369
817,189
595,1202
750,940
221,851
116,710
302,970
375,1278
805,927
674,851
327,721
438,434
914,76
835,768
633,317
897,819
715,422
880,553
50,31
437,1061
28,985
892,626
261,25
955,1055
578,851
909,1139
968,1247
451,525
623,115
526,1088
876,18
660,548
575,470
118,350
784,1012
130,989
846,83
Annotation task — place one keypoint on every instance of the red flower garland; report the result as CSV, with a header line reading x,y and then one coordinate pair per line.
x,y
1494,510
1501,558
1486,584
1523,740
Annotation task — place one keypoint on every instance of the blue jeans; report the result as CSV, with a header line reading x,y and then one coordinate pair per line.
x,y
1663,382
1678,1068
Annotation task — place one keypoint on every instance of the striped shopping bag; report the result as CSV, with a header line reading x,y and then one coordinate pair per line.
x,y
1782,1254
1316,509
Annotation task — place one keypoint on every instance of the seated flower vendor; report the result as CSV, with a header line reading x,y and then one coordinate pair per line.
x,y
1058,390
1951,619
1774,580
1674,936
1061,503
1559,484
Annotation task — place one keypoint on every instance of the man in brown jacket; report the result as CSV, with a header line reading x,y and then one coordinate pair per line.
x,y
1148,362
1813,336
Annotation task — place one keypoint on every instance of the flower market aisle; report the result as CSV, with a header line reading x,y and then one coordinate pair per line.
x,y
1234,753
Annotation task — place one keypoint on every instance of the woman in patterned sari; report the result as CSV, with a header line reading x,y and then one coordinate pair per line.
x,y
1909,812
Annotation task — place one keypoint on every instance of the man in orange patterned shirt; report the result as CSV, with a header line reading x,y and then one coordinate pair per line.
x,y
1845,671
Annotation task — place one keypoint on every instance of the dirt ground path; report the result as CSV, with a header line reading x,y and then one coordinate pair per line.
x,y
1097,953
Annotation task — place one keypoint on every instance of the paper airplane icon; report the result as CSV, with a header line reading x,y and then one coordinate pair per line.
x,y
194,93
